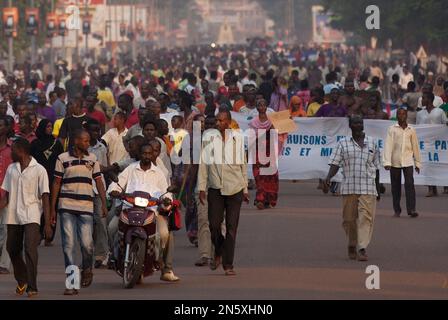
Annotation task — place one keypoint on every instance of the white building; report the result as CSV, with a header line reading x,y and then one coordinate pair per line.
x,y
246,18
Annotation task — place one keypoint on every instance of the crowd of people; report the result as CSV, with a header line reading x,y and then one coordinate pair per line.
x,y
61,136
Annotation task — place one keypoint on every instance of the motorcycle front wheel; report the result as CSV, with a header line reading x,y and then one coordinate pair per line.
x,y
134,269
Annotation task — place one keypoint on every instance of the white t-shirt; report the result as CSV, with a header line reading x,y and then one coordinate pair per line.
x,y
405,79
115,147
25,193
438,101
436,116
391,71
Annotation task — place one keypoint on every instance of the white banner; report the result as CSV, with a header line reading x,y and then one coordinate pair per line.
x,y
307,151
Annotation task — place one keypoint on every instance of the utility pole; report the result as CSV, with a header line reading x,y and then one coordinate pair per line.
x,y
51,44
76,42
290,20
33,42
169,22
10,47
134,35
86,34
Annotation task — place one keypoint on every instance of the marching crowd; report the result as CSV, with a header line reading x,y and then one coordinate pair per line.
x,y
62,135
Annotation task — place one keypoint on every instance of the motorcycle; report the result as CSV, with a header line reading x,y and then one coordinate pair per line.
x,y
136,255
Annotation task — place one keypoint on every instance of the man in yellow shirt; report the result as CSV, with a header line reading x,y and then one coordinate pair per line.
x,y
105,95
317,99
402,153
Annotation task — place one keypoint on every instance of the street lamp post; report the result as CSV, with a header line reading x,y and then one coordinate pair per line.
x,y
10,47
86,34
51,44
33,42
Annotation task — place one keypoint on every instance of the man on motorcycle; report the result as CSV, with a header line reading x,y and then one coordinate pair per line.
x,y
145,176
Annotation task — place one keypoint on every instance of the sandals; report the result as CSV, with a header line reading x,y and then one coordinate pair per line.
x,y
230,272
20,290
86,278
260,205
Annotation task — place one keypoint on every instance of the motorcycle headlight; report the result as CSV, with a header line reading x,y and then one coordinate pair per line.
x,y
141,202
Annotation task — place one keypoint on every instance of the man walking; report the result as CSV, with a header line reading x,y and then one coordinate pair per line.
x,y
75,170
402,153
26,195
431,115
226,182
360,160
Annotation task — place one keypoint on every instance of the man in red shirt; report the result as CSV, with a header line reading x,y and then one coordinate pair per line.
x,y
125,104
26,130
93,111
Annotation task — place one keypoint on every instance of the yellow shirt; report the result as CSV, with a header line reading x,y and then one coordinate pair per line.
x,y
401,149
234,125
312,109
57,127
178,137
107,97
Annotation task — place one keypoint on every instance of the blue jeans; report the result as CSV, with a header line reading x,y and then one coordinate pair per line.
x,y
101,244
77,228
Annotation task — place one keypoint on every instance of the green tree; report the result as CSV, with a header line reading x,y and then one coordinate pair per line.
x,y
278,11
409,23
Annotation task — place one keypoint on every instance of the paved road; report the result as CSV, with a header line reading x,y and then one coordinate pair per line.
x,y
296,251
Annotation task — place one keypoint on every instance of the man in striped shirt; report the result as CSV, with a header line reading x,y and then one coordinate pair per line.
x,y
75,170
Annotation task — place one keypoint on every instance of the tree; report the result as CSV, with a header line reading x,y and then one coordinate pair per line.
x,y
409,23
278,11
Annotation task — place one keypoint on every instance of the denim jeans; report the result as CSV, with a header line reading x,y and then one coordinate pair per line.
x,y
77,228
99,231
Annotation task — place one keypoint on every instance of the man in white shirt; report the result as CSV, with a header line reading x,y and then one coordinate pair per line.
x,y
27,194
145,176
402,153
191,86
223,182
428,88
133,87
114,139
393,69
405,78
303,72
431,115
